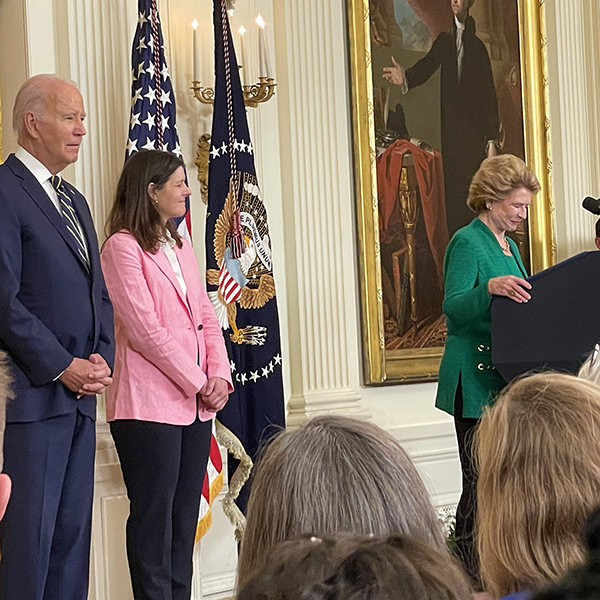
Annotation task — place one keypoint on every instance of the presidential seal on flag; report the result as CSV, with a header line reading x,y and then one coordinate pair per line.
x,y
242,248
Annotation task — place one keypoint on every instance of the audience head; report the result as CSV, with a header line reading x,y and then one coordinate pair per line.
x,y
597,238
48,117
538,450
339,567
335,474
134,208
497,178
583,583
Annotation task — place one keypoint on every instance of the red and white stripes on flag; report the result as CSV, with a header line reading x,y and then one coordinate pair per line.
x,y
213,482
230,289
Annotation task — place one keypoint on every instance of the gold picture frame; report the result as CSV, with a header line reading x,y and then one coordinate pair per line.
x,y
383,366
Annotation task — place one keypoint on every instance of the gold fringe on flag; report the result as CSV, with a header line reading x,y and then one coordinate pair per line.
x,y
227,439
206,521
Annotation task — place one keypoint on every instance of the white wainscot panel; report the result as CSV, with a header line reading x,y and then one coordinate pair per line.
x,y
433,449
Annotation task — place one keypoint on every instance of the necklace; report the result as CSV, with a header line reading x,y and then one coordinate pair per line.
x,y
506,248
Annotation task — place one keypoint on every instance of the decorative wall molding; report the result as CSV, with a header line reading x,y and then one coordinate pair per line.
x,y
433,449
320,222
99,42
218,586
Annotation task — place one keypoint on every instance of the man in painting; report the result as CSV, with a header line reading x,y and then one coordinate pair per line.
x,y
469,105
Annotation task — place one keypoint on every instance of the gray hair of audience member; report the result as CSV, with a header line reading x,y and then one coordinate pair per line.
x,y
5,395
32,97
335,474
343,567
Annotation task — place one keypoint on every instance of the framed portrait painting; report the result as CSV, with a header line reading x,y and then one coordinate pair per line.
x,y
437,85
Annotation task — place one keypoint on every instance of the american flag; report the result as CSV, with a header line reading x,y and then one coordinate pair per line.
x,y
153,126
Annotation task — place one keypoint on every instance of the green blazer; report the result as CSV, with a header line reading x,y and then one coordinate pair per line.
x,y
473,257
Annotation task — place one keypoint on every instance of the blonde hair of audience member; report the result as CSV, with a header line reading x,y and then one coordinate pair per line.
x,y
497,178
335,474
339,567
538,450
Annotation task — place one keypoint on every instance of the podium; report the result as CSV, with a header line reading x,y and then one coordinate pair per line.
x,y
558,328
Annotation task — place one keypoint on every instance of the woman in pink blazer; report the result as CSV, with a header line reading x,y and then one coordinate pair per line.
x,y
171,372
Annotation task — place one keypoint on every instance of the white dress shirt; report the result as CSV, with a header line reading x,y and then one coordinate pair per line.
x,y
460,48
168,247
43,175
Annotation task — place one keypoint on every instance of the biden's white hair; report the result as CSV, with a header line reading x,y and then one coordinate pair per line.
x,y
32,97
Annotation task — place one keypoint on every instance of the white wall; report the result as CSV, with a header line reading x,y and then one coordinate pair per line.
x,y
304,165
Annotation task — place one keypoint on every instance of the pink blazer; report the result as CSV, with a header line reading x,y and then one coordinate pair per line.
x,y
166,345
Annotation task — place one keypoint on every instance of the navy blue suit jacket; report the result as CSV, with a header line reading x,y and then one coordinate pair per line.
x,y
52,308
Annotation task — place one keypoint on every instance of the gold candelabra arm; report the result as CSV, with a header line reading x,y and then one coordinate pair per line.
x,y
254,94
203,94
259,92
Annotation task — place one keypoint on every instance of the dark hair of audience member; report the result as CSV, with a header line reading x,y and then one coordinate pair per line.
x,y
335,474
340,567
133,209
582,583
538,450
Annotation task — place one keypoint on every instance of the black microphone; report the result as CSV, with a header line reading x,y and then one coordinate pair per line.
x,y
591,204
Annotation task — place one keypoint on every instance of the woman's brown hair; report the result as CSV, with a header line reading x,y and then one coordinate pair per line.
x,y
335,474
538,451
133,209
344,567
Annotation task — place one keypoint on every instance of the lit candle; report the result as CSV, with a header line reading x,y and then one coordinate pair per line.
x,y
262,61
267,54
242,58
196,51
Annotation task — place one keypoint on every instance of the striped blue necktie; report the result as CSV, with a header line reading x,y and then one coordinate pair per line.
x,y
70,217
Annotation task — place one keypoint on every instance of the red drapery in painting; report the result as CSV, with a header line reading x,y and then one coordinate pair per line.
x,y
429,172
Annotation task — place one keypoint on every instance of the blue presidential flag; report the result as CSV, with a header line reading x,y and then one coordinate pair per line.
x,y
152,124
239,258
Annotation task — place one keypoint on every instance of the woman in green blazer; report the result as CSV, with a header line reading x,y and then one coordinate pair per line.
x,y
480,262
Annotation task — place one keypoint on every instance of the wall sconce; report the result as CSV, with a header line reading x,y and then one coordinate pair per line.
x,y
255,93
